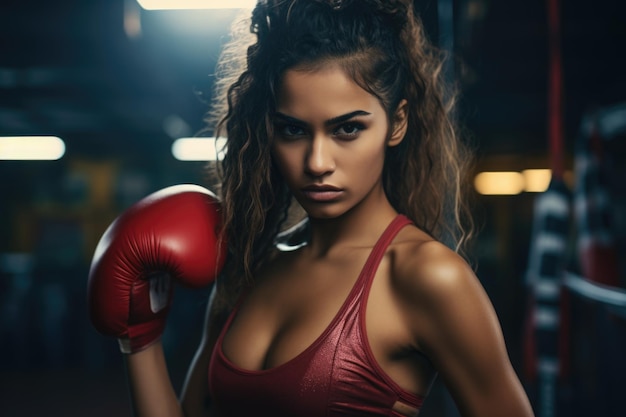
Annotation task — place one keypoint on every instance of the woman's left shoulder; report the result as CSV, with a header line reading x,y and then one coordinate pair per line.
x,y
424,267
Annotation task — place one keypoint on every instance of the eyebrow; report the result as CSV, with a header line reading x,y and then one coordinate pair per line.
x,y
329,122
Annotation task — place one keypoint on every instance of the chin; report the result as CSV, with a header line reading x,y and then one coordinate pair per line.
x,y
324,213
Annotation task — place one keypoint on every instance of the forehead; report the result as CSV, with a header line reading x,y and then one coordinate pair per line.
x,y
327,90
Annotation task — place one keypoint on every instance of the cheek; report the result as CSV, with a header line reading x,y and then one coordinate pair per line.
x,y
371,162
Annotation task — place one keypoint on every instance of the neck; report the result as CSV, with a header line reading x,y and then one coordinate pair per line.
x,y
361,226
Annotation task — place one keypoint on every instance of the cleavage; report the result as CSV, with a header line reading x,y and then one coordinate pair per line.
x,y
286,314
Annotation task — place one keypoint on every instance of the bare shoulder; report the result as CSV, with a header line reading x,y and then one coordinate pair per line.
x,y
442,299
427,270
452,321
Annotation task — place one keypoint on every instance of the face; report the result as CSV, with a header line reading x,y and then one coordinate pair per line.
x,y
330,140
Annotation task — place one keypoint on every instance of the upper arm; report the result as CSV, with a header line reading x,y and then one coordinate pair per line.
x,y
195,392
454,324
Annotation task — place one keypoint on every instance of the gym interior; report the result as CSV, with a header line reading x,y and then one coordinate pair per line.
x,y
108,91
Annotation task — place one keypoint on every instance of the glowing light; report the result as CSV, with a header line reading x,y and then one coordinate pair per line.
x,y
537,180
31,148
196,4
499,183
132,20
199,149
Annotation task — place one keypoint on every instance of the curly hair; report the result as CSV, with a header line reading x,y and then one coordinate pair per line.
x,y
382,46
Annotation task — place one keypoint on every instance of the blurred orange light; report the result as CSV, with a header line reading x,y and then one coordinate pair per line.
x,y
499,183
537,180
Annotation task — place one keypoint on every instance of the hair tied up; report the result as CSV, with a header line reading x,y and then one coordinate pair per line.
x,y
336,4
383,6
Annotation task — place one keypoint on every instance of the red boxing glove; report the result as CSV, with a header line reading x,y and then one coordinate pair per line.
x,y
170,234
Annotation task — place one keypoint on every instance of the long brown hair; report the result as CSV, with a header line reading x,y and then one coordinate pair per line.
x,y
383,47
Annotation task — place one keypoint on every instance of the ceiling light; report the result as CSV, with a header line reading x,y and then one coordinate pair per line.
x,y
31,148
537,180
196,4
499,183
199,149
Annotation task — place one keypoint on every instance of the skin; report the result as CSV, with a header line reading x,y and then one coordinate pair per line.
x,y
426,312
311,149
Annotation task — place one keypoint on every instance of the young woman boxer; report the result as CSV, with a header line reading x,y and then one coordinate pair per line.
x,y
338,106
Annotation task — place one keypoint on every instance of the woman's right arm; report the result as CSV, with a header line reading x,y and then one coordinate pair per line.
x,y
151,389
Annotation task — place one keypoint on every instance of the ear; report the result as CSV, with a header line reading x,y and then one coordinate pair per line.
x,y
399,124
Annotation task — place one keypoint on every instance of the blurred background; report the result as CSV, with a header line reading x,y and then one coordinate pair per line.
x,y
118,85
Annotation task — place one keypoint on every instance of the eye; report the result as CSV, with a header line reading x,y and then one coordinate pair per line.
x,y
349,130
288,130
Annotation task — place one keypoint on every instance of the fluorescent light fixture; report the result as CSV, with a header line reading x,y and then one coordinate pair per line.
x,y
499,183
537,180
199,149
196,4
31,148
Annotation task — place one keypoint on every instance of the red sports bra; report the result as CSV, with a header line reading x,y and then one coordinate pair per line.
x,y
337,375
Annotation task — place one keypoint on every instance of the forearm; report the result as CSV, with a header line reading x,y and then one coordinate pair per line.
x,y
195,392
151,389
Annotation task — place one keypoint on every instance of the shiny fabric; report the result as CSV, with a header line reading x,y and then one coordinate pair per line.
x,y
336,376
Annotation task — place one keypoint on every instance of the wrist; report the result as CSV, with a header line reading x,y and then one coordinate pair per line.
x,y
130,347
140,336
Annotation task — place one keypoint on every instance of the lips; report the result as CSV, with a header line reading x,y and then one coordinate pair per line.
x,y
322,193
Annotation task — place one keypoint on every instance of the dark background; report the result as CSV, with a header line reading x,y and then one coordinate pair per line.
x,y
71,69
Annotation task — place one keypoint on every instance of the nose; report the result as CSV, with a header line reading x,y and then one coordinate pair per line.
x,y
319,159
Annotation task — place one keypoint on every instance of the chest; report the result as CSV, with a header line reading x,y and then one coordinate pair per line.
x,y
292,307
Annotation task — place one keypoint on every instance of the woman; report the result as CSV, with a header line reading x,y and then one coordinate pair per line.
x,y
338,105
